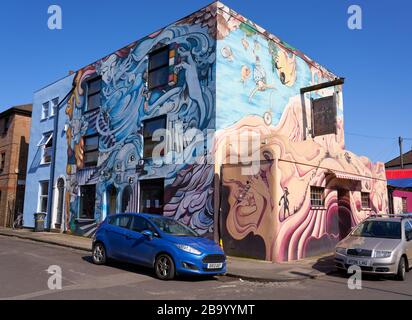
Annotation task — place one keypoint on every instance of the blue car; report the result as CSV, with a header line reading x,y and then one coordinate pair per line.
x,y
158,242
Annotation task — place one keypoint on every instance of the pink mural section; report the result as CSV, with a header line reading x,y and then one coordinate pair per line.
x,y
268,212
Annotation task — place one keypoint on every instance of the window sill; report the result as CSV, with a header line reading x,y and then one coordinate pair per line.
x,y
318,208
366,209
45,164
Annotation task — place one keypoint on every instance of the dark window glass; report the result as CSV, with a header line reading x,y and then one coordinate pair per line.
x,y
158,68
2,161
93,94
149,127
378,229
158,77
141,224
91,150
87,201
6,125
151,196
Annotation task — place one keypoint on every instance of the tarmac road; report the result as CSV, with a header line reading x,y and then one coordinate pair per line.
x,y
24,264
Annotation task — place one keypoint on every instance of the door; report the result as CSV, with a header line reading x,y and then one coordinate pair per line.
x,y
344,213
60,201
245,216
117,236
111,200
140,248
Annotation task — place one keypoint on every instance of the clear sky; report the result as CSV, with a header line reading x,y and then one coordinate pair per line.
x,y
375,61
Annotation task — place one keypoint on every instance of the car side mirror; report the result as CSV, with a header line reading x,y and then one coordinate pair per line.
x,y
148,234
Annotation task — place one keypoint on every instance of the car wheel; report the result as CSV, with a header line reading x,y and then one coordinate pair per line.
x,y
401,270
99,254
165,267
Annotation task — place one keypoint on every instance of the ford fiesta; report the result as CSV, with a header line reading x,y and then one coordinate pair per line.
x,y
158,242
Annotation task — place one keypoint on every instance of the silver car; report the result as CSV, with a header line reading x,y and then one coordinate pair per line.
x,y
379,245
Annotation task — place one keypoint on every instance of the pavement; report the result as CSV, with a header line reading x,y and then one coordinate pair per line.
x,y
241,268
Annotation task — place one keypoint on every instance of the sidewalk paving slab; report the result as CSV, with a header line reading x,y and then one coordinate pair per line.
x,y
242,268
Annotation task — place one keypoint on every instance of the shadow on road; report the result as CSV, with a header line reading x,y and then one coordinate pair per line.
x,y
129,267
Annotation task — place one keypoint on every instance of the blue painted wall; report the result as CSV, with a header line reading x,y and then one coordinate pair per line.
x,y
37,172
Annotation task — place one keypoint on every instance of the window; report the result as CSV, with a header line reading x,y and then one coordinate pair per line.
x,y
91,150
151,196
87,201
408,230
2,161
158,74
149,128
123,221
317,196
46,143
45,110
404,205
140,224
43,196
94,87
5,125
365,199
54,105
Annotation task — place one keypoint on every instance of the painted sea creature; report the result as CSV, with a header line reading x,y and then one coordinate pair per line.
x,y
227,53
245,43
245,74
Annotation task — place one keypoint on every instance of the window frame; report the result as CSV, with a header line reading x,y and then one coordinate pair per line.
x,y
314,201
5,125
2,161
45,115
88,94
365,194
42,196
54,103
81,205
404,205
43,144
152,184
90,164
151,69
150,138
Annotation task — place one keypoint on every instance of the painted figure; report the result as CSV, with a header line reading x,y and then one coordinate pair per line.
x,y
259,76
284,204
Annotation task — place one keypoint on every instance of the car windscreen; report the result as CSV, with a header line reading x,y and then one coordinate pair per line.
x,y
173,227
378,229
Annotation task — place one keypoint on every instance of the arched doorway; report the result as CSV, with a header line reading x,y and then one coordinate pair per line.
x,y
60,202
111,199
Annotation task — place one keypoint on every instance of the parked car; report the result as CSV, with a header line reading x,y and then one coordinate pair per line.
x,y
158,242
381,244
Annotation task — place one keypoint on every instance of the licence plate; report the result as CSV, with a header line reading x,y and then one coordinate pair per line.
x,y
214,265
363,263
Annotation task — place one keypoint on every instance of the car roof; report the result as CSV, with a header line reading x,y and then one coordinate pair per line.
x,y
394,219
145,215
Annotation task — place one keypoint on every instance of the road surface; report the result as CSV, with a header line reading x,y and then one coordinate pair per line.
x,y
24,264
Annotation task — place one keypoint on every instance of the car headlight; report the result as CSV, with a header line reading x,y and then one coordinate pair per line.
x,y
341,250
381,254
188,249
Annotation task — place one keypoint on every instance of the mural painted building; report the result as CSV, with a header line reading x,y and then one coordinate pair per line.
x,y
252,151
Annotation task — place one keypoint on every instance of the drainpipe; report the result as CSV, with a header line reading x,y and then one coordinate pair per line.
x,y
53,157
401,151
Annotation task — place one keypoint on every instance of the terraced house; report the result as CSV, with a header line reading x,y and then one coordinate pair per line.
x,y
14,141
252,152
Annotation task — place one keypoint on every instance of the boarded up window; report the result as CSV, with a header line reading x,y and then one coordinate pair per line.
x,y
324,116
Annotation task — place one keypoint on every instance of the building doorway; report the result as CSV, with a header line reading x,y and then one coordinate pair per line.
x,y
111,194
60,203
344,213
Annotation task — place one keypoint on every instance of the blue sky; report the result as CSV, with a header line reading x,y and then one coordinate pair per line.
x,y
375,60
